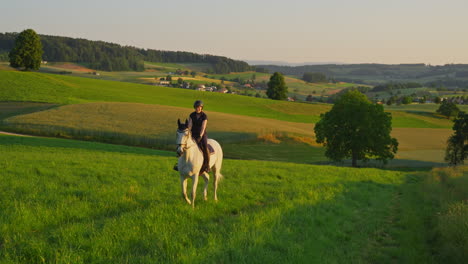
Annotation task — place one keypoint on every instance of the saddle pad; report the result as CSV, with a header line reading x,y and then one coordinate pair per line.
x,y
211,149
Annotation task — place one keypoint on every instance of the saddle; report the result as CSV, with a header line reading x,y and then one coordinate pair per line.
x,y
211,150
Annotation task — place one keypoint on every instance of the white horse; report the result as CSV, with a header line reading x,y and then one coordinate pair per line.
x,y
191,160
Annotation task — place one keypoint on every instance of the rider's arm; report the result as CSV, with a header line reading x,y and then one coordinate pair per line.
x,y
190,122
202,132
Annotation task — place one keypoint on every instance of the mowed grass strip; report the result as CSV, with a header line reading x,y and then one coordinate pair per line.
x,y
78,202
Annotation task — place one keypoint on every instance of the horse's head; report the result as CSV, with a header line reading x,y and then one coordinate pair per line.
x,y
183,135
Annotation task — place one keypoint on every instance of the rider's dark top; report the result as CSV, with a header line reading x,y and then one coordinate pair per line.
x,y
197,123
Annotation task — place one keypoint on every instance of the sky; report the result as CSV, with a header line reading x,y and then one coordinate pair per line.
x,y
296,31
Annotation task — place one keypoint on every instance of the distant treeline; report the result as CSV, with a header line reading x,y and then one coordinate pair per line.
x,y
107,56
449,75
314,77
396,86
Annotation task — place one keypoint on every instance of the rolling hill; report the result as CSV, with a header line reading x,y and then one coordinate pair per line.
x,y
118,112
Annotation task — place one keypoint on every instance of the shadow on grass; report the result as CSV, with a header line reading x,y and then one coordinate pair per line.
x,y
6,140
396,164
9,109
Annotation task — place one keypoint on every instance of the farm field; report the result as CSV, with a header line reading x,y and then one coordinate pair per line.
x,y
150,125
20,86
82,202
142,115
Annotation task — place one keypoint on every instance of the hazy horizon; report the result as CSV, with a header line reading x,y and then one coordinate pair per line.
x,y
360,31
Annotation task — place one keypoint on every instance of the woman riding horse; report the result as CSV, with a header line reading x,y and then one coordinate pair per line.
x,y
197,122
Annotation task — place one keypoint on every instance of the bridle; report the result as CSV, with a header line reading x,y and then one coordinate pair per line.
x,y
181,145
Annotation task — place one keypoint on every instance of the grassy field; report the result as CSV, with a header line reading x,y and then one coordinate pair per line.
x,y
21,86
146,116
28,86
65,201
244,137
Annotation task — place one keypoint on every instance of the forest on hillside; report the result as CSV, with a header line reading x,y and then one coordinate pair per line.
x,y
107,56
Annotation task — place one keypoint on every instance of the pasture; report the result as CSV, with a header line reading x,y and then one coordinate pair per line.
x,y
66,201
142,115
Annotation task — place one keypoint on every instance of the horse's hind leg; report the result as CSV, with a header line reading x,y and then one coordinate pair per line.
x,y
206,177
217,177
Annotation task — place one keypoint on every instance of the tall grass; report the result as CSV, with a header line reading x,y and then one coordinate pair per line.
x,y
428,221
447,189
153,123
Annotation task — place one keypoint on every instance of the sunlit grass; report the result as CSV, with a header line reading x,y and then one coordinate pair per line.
x,y
67,201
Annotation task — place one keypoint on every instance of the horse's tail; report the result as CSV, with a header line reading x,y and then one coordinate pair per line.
x,y
219,158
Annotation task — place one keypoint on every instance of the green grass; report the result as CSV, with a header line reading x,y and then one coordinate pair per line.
x,y
78,202
431,217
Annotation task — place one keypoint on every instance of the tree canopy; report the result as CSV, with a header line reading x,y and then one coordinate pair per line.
x,y
457,147
314,77
27,51
277,88
357,129
448,109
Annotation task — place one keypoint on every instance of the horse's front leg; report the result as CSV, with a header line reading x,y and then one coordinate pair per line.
x,y
194,188
183,182
206,177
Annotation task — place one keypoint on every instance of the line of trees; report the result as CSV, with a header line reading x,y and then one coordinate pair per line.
x,y
396,86
107,56
315,77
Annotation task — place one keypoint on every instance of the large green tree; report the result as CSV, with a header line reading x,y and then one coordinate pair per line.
x,y
448,109
27,51
357,129
457,147
277,88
